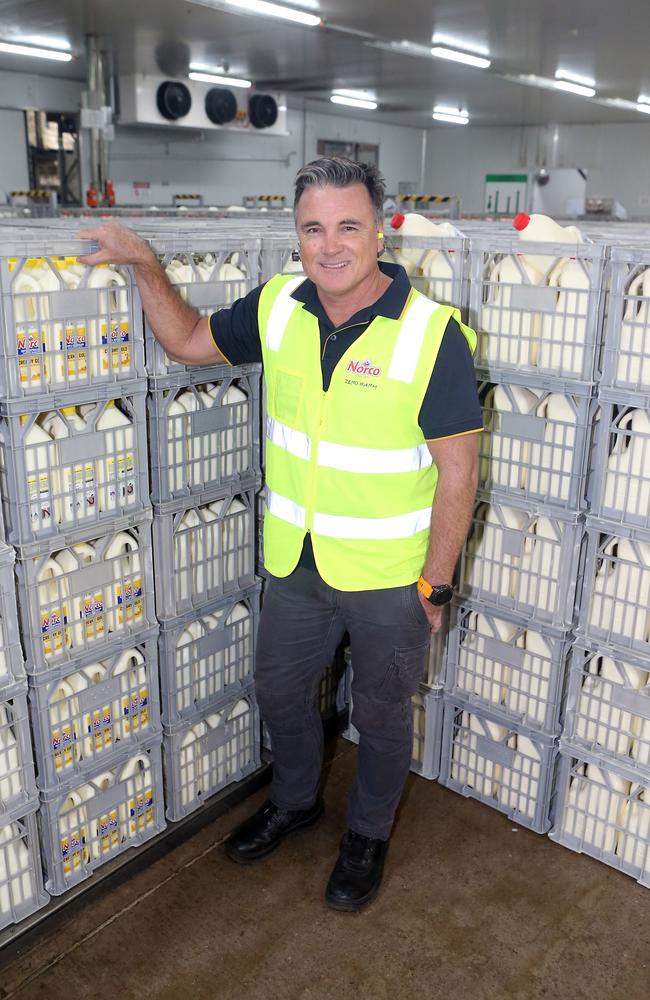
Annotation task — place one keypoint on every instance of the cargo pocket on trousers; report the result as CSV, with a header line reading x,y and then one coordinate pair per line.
x,y
405,673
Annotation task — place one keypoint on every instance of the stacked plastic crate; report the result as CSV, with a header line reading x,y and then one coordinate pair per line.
x,y
602,804
205,468
436,266
538,313
75,497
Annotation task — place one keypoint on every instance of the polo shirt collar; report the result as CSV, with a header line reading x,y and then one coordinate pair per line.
x,y
390,304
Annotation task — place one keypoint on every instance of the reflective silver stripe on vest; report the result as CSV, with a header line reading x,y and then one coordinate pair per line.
x,y
373,460
285,509
413,327
280,314
372,528
295,442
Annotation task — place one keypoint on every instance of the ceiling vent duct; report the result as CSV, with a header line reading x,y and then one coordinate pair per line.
x,y
220,105
174,100
262,110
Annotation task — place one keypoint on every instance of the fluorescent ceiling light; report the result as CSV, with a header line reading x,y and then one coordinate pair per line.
x,y
38,53
358,95
459,44
353,102
462,57
642,106
452,115
584,81
574,88
643,99
274,10
231,81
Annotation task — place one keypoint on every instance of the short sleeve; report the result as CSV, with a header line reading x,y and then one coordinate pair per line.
x,y
235,330
451,404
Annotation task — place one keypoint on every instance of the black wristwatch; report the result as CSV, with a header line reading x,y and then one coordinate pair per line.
x,y
437,595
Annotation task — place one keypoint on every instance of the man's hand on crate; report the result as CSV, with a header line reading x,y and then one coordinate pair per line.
x,y
117,245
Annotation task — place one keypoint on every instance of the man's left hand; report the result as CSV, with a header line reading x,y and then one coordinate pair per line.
x,y
433,613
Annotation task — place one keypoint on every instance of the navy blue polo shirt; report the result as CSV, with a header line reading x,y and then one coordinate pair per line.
x,y
450,405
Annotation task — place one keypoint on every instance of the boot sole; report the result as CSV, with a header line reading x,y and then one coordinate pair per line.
x,y
250,860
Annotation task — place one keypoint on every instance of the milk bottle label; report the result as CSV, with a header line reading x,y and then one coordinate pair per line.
x,y
53,625
141,809
100,727
71,848
40,501
135,710
28,347
92,613
62,745
120,355
75,348
109,831
129,601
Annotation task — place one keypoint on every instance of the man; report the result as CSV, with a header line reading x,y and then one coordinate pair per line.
x,y
371,461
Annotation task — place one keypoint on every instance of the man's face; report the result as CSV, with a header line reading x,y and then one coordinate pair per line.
x,y
337,230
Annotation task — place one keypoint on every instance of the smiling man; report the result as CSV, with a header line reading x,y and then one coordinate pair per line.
x,y
371,470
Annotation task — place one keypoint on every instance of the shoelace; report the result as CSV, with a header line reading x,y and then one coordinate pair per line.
x,y
358,851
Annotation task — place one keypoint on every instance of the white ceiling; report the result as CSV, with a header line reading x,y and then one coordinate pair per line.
x,y
601,39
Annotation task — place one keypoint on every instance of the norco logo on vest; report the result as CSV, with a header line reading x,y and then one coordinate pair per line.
x,y
363,368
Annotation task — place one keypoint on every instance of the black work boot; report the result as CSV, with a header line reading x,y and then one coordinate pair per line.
x,y
263,832
357,873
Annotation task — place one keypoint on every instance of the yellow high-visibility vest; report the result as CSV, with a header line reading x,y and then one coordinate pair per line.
x,y
349,465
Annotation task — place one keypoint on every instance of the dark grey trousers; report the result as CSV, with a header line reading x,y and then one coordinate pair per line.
x,y
303,621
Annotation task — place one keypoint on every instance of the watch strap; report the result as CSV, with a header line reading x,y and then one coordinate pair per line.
x,y
425,587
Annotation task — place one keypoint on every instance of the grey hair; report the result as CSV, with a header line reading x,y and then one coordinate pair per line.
x,y
341,172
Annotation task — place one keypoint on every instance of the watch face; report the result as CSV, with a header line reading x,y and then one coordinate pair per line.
x,y
441,594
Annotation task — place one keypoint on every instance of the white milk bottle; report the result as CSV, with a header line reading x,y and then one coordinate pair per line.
x,y
118,484
54,608
126,605
190,764
509,454
188,577
75,494
564,332
98,722
551,461
73,365
542,229
634,839
87,618
188,667
178,445
621,591
239,633
477,671
539,573
192,444
234,438
65,724
593,807
415,260
627,483
30,331
509,333
209,552
218,760
491,570
54,337
181,275
139,813
206,446
42,476
11,779
233,283
519,788
599,721
131,709
105,827
208,668
633,362
74,831
528,692
16,886
235,548
469,765
109,335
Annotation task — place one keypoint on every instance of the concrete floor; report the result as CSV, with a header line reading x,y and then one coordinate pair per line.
x,y
470,908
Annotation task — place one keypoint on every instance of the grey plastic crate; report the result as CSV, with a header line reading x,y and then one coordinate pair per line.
x,y
201,259
204,755
84,479
535,444
79,602
626,362
608,706
259,531
12,665
615,604
203,551
523,558
603,811
279,254
436,659
89,716
506,767
84,338
21,877
621,466
436,266
204,435
500,664
84,826
208,656
427,731
524,323
17,784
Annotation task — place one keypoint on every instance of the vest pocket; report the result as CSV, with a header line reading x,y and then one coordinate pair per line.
x,y
289,389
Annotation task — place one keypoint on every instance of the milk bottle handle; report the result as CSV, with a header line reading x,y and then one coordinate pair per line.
x,y
139,764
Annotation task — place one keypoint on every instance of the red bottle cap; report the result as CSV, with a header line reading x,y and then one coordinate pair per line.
x,y
521,221
397,220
